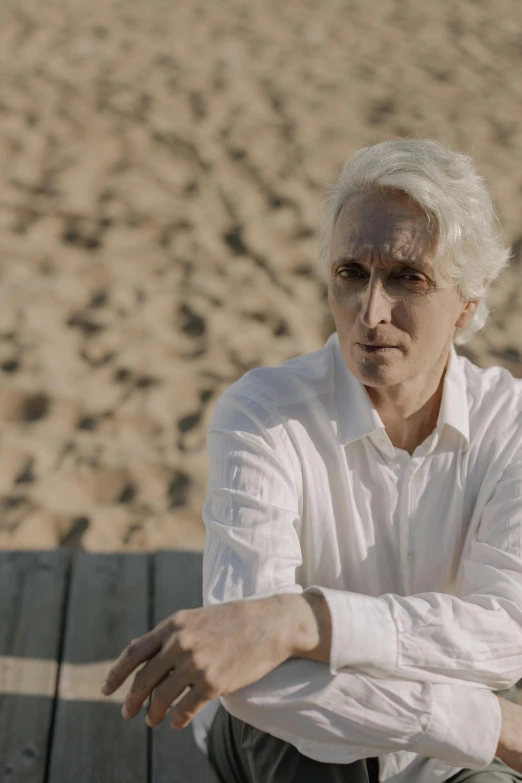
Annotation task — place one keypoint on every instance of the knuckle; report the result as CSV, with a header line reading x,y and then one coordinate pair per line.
x,y
199,663
184,641
179,617
202,669
131,649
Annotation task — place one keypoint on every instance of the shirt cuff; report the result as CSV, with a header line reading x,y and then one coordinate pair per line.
x,y
363,630
291,589
465,726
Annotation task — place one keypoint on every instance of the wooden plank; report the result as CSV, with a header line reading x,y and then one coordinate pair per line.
x,y
108,606
177,585
32,599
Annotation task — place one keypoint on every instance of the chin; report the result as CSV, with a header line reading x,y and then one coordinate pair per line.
x,y
376,373
378,376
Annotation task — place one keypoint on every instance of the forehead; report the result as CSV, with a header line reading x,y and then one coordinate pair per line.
x,y
389,226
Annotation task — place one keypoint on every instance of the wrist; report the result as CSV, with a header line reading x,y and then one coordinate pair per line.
x,y
310,627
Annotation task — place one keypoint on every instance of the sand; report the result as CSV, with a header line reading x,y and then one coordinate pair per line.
x,y
163,170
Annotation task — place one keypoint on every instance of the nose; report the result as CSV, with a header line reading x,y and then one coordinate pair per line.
x,y
375,305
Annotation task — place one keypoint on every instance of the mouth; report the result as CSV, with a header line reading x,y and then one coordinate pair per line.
x,y
376,348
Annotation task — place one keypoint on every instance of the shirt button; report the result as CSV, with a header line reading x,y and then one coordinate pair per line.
x,y
411,557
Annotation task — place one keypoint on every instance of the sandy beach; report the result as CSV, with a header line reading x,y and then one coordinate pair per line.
x,y
163,171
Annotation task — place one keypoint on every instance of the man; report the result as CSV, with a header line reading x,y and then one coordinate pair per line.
x,y
362,573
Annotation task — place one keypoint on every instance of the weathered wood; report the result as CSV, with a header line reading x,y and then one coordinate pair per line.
x,y
177,585
32,595
108,606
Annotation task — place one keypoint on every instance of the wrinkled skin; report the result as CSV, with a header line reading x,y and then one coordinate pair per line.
x,y
383,288
215,650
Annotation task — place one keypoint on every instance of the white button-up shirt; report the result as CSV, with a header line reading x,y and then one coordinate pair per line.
x,y
418,557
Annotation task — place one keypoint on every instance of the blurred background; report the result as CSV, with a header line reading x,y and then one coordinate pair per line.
x,y
163,167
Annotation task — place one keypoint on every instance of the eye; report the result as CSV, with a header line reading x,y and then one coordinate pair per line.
x,y
416,278
347,274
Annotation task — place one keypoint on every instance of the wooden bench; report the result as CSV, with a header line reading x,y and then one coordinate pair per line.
x,y
65,615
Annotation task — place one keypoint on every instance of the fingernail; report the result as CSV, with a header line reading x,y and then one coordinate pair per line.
x,y
125,712
149,722
105,687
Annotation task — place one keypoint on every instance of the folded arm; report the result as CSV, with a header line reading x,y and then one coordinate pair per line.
x,y
438,637
349,716
252,550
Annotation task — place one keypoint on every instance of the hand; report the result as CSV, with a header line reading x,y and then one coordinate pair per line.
x,y
509,748
214,649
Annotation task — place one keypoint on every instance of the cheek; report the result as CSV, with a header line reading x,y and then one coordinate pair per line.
x,y
413,309
341,298
427,321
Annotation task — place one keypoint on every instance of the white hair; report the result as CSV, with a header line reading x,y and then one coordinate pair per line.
x,y
449,190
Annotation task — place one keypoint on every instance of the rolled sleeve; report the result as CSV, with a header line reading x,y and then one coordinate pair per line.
x,y
361,624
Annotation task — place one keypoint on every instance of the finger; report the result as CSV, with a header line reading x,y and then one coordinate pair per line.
x,y
171,688
171,674
189,705
149,677
137,651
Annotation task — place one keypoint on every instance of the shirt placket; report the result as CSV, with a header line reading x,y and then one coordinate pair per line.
x,y
409,467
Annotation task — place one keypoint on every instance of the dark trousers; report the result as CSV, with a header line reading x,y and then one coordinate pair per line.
x,y
240,753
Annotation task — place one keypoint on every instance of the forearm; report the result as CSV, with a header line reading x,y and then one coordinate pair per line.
x,y
308,635
349,716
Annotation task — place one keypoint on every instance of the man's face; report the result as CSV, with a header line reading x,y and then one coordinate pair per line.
x,y
381,290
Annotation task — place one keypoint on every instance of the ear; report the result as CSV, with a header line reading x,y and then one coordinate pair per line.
x,y
470,308
467,313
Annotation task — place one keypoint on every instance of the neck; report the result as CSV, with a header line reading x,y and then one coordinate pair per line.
x,y
409,410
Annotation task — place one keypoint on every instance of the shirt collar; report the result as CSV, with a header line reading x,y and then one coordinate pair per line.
x,y
357,415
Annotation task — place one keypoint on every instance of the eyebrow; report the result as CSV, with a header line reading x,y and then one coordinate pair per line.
x,y
409,262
